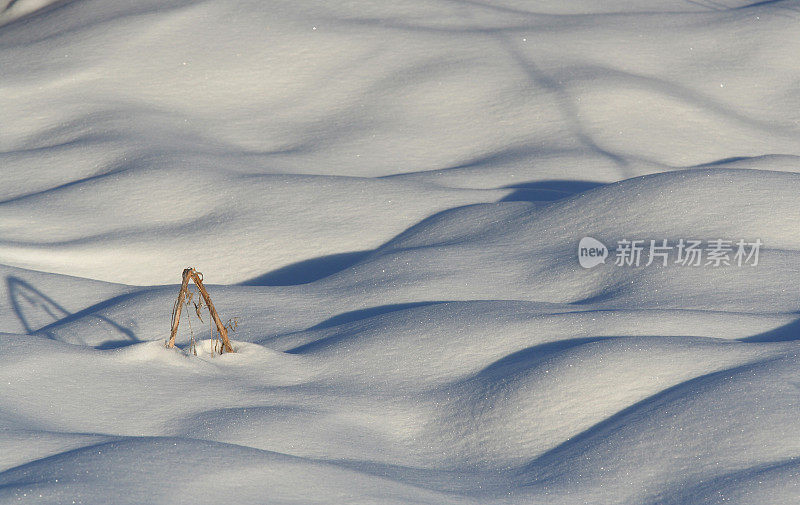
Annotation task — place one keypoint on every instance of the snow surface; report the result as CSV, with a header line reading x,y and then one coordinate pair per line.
x,y
389,197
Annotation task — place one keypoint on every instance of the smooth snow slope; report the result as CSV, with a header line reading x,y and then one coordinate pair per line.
x,y
389,198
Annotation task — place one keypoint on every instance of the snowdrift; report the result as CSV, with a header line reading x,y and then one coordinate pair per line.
x,y
390,199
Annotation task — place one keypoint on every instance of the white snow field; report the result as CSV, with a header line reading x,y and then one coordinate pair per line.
x,y
389,196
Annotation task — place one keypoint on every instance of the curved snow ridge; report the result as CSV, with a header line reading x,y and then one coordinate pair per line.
x,y
769,482
246,80
444,342
11,10
602,400
474,399
537,242
522,251
196,470
526,405
743,202
729,416
258,222
25,446
322,317
496,97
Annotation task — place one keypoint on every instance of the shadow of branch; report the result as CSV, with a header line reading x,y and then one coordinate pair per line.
x,y
39,314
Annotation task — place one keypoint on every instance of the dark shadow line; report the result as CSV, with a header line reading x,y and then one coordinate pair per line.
x,y
687,492
548,190
589,72
610,422
69,184
350,317
776,4
564,101
89,312
787,333
532,356
309,270
80,26
9,5
18,288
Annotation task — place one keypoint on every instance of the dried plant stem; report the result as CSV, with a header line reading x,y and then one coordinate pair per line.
x,y
196,277
192,342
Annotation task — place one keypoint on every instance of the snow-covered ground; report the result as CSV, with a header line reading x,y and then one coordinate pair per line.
x,y
389,197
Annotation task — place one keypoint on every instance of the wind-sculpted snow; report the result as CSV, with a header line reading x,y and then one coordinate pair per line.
x,y
389,197
154,126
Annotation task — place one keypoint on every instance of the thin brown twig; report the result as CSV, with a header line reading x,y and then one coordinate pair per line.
x,y
197,278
